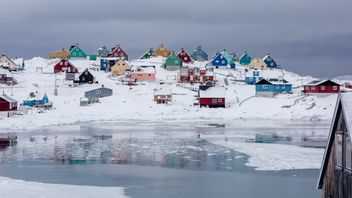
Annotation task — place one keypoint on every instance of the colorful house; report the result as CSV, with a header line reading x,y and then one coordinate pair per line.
x,y
253,76
272,87
321,87
235,57
199,55
196,75
211,96
6,78
7,103
118,52
143,73
162,51
229,58
103,52
245,59
36,101
63,54
173,62
182,54
258,63
120,68
77,52
85,78
270,62
219,60
148,54
335,178
162,96
107,63
98,93
7,63
65,66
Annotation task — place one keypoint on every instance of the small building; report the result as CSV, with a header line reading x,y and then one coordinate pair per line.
x,y
6,78
199,55
143,73
77,52
173,62
70,76
258,63
85,78
120,68
321,87
118,52
103,52
219,60
271,87
148,54
62,54
270,62
196,75
335,178
162,96
65,66
182,54
107,63
211,96
253,76
162,51
35,100
245,59
98,93
7,103
7,63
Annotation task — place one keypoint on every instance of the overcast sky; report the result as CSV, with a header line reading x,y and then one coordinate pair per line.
x,y
311,37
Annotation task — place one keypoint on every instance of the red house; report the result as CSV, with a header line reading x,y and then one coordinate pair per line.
x,y
196,75
7,103
211,96
325,86
182,54
118,52
65,66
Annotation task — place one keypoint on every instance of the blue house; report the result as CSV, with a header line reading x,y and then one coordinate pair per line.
x,y
107,63
245,59
219,60
253,76
270,62
272,87
36,101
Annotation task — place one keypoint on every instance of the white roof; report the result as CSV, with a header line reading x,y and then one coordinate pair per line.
x,y
212,92
346,101
265,57
144,69
7,98
5,71
18,61
162,92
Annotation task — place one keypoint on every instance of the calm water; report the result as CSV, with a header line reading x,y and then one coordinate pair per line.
x,y
154,160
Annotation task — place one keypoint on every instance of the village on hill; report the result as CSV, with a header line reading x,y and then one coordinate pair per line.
x,y
162,84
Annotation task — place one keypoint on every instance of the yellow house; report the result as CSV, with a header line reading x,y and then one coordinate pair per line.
x,y
258,63
162,51
120,68
63,54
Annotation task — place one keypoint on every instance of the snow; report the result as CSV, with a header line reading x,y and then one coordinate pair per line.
x,y
277,156
17,188
346,99
212,92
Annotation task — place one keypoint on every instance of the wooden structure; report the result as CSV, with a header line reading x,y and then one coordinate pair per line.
x,y
271,87
211,96
173,62
196,75
321,87
77,52
107,63
7,103
335,178
143,73
199,55
162,96
270,62
182,54
258,63
245,59
7,63
65,66
85,78
162,51
118,52
120,68
148,54
63,54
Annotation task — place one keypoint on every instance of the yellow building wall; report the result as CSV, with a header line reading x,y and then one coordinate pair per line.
x,y
120,68
63,54
162,51
258,63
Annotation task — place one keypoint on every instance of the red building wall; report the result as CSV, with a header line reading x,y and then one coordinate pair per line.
x,y
220,102
63,66
320,89
184,56
5,105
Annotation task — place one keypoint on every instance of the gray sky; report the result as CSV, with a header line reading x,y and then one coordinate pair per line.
x,y
311,37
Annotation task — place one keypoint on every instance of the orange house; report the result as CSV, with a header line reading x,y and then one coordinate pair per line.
x,y
143,73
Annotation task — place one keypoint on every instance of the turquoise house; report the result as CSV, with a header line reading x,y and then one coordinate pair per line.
x,y
219,60
229,58
235,57
77,52
34,102
272,87
245,59
253,76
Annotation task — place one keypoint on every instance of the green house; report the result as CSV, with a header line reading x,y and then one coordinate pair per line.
x,y
77,52
147,54
173,62
227,56
245,59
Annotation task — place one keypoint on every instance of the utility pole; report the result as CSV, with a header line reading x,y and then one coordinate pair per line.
x,y
55,88
11,84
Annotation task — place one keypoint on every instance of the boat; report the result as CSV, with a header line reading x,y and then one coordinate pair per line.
x,y
8,141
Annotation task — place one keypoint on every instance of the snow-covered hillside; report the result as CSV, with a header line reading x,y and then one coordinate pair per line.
x,y
137,103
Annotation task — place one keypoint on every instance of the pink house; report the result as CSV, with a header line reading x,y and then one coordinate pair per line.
x,y
143,73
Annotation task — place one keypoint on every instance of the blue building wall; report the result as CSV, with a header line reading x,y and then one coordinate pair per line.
x,y
106,63
252,80
270,62
32,103
274,88
219,61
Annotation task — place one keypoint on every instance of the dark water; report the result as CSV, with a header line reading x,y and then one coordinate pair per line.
x,y
155,161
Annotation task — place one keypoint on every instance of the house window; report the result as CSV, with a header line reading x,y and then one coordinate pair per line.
x,y
348,153
80,53
338,149
61,63
98,91
214,101
265,86
220,100
334,88
83,78
283,86
322,88
277,87
223,62
313,88
74,53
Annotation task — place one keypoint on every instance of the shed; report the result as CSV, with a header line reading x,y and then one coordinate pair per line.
x,y
270,62
6,77
321,87
211,96
77,52
98,93
7,103
271,87
118,52
173,62
182,54
245,59
85,78
335,178
162,51
199,55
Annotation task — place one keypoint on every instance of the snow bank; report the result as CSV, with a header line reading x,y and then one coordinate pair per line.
x,y
11,188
